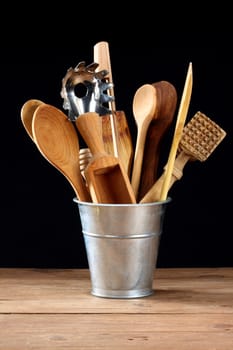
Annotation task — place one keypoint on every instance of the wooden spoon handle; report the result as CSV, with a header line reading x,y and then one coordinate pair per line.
x,y
138,157
153,195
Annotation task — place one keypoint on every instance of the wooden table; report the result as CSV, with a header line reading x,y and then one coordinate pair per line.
x,y
191,308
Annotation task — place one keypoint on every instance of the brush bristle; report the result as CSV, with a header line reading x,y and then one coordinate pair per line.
x,y
201,136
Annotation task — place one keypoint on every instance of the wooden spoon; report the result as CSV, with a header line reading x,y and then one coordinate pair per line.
x,y
165,111
27,111
57,140
144,106
106,177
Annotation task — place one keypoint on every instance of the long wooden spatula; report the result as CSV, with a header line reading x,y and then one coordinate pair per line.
x,y
116,134
181,117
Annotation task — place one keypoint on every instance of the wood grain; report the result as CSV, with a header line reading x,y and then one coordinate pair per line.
x,y
53,309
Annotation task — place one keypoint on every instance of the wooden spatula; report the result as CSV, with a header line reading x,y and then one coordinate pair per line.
x,y
115,130
181,117
106,177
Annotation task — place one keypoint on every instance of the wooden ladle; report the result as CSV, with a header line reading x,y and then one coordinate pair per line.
x,y
26,114
144,105
57,140
106,176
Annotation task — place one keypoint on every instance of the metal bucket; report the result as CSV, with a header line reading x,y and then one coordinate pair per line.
x,y
122,242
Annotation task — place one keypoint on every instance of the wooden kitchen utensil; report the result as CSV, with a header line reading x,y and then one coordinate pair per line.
x,y
181,117
102,57
201,136
116,134
125,144
106,177
144,107
165,110
57,140
84,159
26,114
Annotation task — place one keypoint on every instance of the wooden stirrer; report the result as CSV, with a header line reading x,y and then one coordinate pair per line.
x,y
182,113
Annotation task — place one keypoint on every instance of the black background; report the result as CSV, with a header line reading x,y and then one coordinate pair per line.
x,y
41,226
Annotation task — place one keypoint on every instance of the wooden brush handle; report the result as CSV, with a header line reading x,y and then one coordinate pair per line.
x,y
153,195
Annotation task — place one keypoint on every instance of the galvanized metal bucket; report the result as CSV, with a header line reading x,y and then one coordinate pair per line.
x,y
122,242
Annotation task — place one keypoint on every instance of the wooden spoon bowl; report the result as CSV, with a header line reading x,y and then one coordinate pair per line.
x,y
57,140
26,114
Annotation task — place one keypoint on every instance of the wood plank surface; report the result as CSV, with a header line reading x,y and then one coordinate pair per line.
x,y
116,332
68,291
191,308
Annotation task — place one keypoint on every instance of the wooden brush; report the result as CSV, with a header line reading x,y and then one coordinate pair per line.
x,y
200,137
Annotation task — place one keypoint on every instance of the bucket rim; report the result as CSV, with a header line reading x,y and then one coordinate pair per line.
x,y
149,204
